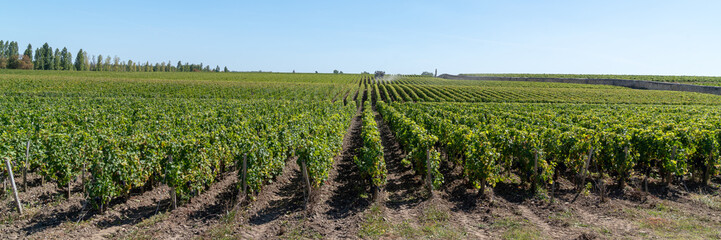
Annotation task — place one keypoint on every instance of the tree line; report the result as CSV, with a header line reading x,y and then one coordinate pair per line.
x,y
47,58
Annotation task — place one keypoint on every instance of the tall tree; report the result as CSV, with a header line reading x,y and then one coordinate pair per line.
x,y
3,58
80,61
66,59
2,48
47,58
225,69
99,63
106,64
29,51
39,57
13,56
56,60
69,63
13,50
116,63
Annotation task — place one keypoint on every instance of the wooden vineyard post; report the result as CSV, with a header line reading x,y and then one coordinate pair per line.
x,y
482,190
245,177
376,189
585,168
429,176
236,165
82,179
68,193
304,169
12,182
601,182
173,197
707,172
583,174
622,182
669,178
553,185
535,171
585,165
222,168
25,167
602,188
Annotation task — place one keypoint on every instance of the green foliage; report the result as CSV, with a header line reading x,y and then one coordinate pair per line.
x,y
499,137
124,134
371,162
416,141
442,90
322,140
481,160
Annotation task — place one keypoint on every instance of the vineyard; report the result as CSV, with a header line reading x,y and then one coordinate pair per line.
x,y
292,155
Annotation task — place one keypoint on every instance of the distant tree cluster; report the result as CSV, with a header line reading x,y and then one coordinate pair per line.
x,y
47,58
380,74
10,57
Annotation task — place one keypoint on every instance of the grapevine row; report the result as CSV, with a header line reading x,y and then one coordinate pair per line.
x,y
370,160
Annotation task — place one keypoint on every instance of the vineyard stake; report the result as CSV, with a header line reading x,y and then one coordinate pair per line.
x,y
669,179
304,169
82,179
600,182
222,167
173,197
68,193
535,170
645,179
622,181
245,175
707,172
482,190
583,174
553,184
585,167
429,179
376,189
25,168
15,190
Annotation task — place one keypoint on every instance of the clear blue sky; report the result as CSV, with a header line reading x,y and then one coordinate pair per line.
x,y
620,37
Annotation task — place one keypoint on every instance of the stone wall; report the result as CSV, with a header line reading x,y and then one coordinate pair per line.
x,y
636,84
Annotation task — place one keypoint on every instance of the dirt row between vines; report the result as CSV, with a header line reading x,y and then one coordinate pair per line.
x,y
48,215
